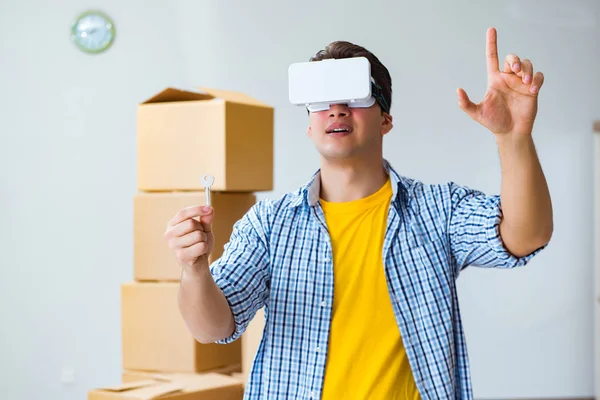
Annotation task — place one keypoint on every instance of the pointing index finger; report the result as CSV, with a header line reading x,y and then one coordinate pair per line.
x,y
491,51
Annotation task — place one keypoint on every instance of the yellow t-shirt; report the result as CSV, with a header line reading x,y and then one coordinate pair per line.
x,y
366,358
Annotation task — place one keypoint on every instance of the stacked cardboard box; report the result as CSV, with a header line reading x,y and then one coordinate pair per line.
x,y
208,386
182,136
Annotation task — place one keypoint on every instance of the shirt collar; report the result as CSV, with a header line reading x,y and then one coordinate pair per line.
x,y
311,191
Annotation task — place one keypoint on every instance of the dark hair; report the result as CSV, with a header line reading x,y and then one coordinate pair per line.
x,y
342,49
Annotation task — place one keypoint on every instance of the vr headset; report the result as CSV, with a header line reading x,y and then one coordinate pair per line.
x,y
319,84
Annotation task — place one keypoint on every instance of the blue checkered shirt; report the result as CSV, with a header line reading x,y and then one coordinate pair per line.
x,y
279,257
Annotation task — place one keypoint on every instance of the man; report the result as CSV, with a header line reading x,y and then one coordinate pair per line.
x,y
356,269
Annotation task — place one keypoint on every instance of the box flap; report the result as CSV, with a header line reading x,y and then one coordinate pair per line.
x,y
232,96
159,377
146,389
129,386
154,392
172,94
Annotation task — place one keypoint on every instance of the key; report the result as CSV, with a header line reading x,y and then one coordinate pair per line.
x,y
207,181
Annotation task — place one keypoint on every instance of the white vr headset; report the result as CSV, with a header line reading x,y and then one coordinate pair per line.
x,y
319,84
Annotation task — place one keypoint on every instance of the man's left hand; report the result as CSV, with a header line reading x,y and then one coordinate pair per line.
x,y
511,100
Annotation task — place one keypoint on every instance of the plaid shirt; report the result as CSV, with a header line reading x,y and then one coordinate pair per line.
x,y
279,257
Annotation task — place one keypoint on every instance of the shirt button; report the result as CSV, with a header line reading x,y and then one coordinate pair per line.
x,y
323,303
318,349
311,395
327,258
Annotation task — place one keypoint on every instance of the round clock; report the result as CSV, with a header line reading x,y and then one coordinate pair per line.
x,y
93,32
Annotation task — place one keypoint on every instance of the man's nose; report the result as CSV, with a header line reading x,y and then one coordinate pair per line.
x,y
339,110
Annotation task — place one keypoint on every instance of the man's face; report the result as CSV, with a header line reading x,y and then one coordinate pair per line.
x,y
343,132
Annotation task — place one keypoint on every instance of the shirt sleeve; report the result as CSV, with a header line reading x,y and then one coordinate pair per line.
x,y
242,271
474,231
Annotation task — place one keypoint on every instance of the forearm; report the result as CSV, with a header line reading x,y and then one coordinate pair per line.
x,y
527,222
204,307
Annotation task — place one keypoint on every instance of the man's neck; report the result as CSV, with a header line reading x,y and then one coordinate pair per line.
x,y
351,180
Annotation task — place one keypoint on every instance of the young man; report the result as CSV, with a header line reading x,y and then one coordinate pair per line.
x,y
356,269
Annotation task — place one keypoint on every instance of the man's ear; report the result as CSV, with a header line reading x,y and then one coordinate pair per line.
x,y
386,123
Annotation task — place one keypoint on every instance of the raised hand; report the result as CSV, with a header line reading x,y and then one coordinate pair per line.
x,y
510,103
189,235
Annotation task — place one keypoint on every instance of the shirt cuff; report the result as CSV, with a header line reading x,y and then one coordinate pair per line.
x,y
238,313
494,240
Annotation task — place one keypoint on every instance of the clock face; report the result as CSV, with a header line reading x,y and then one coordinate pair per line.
x,y
93,32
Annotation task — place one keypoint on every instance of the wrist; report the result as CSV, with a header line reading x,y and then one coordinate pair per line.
x,y
513,140
196,272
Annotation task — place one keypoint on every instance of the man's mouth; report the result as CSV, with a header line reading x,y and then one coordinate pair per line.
x,y
338,128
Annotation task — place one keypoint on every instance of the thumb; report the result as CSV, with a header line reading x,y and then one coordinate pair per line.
x,y
466,104
206,218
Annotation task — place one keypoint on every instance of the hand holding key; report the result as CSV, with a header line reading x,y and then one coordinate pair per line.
x,y
192,239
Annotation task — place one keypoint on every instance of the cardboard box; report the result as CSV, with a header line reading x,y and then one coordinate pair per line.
x,y
153,259
185,134
228,370
132,375
155,336
174,387
240,377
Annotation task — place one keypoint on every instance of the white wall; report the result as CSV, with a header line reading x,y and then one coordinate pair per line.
x,y
67,179
67,163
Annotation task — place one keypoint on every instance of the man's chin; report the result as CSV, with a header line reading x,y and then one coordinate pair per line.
x,y
338,154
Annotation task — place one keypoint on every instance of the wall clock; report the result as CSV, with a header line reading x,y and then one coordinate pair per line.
x,y
93,32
